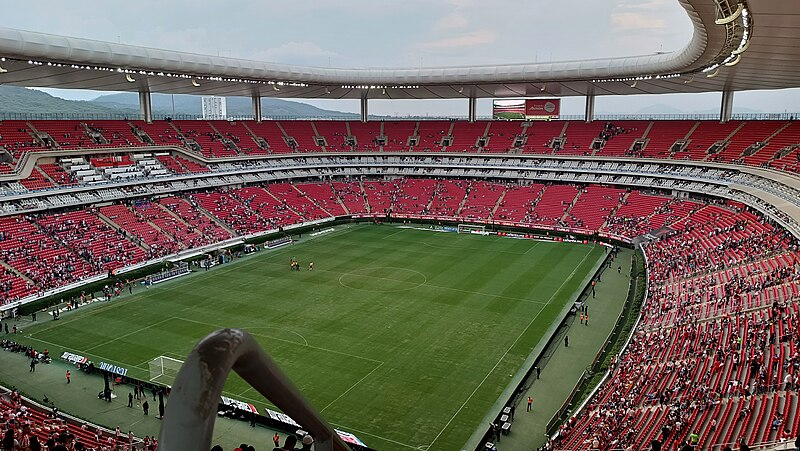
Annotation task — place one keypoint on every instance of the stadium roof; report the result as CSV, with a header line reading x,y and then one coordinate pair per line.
x,y
735,46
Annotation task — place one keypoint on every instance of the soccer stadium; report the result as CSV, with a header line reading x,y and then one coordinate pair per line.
x,y
264,274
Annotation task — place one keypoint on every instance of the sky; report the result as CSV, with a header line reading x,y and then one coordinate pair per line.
x,y
394,33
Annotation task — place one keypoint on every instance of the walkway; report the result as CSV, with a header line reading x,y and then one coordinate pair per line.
x,y
563,366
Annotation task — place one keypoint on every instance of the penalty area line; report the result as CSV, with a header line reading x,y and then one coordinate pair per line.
x,y
346,428
340,426
141,329
286,341
351,387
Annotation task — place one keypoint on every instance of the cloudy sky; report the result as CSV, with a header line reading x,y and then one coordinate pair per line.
x,y
384,33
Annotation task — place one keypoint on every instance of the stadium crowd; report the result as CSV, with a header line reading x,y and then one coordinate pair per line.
x,y
715,359
43,251
29,428
717,339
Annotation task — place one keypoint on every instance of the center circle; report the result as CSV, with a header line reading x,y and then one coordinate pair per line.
x,y
383,279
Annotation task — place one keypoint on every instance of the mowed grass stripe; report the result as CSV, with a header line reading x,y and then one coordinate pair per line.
x,y
415,356
555,294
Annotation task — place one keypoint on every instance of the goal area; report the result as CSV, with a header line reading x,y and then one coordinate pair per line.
x,y
164,370
472,228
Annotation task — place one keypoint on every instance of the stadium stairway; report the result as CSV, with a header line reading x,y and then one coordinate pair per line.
x,y
174,227
498,203
323,196
464,199
138,230
197,217
20,283
229,208
351,196
481,200
563,367
296,201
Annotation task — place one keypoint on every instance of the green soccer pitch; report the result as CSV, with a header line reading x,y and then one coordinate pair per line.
x,y
404,337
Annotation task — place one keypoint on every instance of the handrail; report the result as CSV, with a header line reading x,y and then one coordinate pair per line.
x,y
130,115
192,408
760,446
556,418
647,403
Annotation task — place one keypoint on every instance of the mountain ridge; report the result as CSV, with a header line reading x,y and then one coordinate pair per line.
x,y
24,101
236,106
32,102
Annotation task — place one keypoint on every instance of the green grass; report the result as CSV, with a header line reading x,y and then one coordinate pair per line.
x,y
404,337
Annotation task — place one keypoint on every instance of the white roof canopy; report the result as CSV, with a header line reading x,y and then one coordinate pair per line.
x,y
759,41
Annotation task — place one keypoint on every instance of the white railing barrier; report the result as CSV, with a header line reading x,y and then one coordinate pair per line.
x,y
192,409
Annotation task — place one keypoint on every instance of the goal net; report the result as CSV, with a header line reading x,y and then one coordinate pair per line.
x,y
472,228
164,369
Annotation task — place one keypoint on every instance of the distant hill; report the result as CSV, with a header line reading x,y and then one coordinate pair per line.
x,y
237,106
736,110
22,100
666,109
659,109
14,99
30,101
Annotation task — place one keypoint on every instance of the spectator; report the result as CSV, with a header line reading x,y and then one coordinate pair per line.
x,y
288,444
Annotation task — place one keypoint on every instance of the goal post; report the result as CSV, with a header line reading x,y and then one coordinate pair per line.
x,y
479,229
164,370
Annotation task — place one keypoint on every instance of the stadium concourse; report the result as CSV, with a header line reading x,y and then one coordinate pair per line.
x,y
714,355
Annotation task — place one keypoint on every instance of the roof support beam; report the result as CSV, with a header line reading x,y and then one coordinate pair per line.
x,y
146,106
726,107
364,109
472,114
588,115
257,107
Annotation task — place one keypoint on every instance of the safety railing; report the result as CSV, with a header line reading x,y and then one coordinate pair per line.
x,y
34,116
192,409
